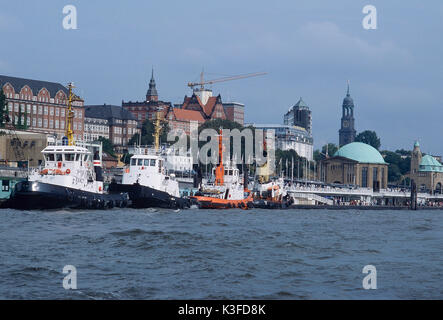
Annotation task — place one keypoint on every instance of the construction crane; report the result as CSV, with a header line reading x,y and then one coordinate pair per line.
x,y
203,82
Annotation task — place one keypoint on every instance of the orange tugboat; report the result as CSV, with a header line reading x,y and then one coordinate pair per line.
x,y
226,191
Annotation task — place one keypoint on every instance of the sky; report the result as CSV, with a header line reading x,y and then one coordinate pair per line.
x,y
309,49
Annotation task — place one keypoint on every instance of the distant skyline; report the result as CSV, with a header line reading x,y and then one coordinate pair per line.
x,y
308,48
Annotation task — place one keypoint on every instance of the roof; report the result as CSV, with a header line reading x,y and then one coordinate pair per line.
x,y
430,164
35,85
108,112
187,115
301,104
360,152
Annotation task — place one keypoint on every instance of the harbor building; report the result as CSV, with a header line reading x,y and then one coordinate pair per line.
x,y
22,148
119,127
357,164
146,110
347,131
299,115
41,106
426,171
291,137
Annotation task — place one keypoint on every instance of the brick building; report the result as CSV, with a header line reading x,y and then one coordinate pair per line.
x,y
143,110
119,127
41,106
235,111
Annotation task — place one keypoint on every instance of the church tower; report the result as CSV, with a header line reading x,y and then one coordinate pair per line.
x,y
152,94
347,131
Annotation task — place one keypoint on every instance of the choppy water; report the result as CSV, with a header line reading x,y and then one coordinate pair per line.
x,y
198,254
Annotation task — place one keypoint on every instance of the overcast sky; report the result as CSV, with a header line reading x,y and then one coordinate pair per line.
x,y
309,49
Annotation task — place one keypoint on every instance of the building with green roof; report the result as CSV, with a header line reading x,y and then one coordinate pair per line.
x,y
358,164
426,171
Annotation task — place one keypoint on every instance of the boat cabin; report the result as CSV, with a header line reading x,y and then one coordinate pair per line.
x,y
66,158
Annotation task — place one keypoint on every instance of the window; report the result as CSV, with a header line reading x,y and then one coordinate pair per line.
x,y
58,157
152,162
69,157
46,110
34,122
34,109
364,177
140,162
63,112
146,162
51,123
28,108
40,109
51,157
5,185
56,124
62,124
45,123
39,122
16,107
133,162
57,112
51,111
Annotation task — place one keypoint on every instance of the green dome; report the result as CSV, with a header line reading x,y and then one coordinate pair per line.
x,y
360,152
429,163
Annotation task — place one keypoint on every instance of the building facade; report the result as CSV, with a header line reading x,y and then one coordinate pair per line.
x,y
347,131
235,111
119,127
291,138
300,116
357,164
41,106
426,171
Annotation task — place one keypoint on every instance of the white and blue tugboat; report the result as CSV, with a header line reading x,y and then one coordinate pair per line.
x,y
147,182
70,178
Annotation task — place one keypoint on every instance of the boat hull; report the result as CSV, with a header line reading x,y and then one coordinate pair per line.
x,y
33,195
146,197
204,202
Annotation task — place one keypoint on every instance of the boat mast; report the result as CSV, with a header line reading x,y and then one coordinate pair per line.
x,y
157,130
70,117
220,170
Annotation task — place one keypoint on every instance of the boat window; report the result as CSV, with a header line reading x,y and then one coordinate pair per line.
x,y
51,157
58,157
140,162
230,172
133,162
226,172
77,157
152,162
146,162
69,156
85,157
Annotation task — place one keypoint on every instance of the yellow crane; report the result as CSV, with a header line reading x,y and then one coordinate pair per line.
x,y
69,117
203,82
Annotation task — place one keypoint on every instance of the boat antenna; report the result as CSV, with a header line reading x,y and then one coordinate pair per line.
x,y
70,117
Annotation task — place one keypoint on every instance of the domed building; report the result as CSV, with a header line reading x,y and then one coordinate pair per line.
x,y
426,171
358,164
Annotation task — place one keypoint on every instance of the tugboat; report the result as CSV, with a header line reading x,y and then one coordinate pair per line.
x,y
70,178
226,191
146,181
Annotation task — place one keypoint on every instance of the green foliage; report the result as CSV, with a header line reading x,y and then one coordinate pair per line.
x,y
284,160
3,109
147,134
399,165
107,145
331,149
369,137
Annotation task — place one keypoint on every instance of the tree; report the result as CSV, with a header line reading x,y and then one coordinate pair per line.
x,y
369,137
147,134
398,165
4,117
107,146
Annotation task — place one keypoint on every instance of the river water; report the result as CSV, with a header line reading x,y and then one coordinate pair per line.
x,y
233,254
